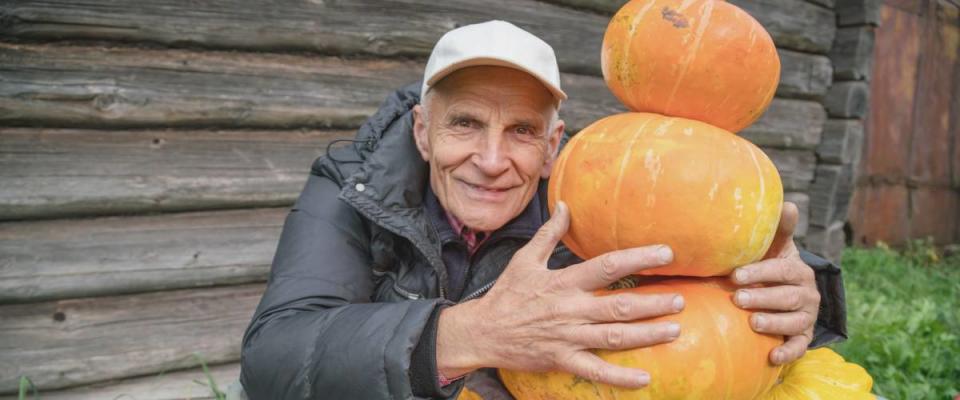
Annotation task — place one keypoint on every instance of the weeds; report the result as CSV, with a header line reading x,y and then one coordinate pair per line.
x,y
904,319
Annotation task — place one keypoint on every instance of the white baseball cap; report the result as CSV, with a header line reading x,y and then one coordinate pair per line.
x,y
496,43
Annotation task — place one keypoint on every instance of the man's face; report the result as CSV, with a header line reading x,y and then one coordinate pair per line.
x,y
489,135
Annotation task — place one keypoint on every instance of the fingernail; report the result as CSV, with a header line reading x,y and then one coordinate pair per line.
x,y
561,206
759,321
778,356
644,379
665,254
673,330
678,303
742,298
741,275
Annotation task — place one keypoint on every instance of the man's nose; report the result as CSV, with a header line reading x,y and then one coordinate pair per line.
x,y
492,156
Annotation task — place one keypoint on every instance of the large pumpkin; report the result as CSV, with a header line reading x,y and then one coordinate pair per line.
x,y
637,179
822,374
700,59
717,356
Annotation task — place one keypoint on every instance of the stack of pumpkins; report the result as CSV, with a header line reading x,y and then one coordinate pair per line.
x,y
693,72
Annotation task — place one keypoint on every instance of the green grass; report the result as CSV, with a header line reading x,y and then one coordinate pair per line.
x,y
903,310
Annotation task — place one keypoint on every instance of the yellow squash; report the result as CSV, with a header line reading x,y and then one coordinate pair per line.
x,y
822,374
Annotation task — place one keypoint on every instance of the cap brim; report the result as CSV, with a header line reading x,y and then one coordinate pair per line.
x,y
473,62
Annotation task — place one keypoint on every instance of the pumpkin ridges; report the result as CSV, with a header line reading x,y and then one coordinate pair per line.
x,y
681,182
687,368
700,59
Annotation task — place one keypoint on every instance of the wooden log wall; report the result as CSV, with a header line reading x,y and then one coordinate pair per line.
x,y
908,186
149,152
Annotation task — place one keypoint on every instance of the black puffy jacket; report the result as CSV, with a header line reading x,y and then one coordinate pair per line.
x,y
358,275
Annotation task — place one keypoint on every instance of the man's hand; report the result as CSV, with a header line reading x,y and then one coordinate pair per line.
x,y
789,294
535,319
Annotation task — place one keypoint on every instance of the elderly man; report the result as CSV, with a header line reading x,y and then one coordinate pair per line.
x,y
423,252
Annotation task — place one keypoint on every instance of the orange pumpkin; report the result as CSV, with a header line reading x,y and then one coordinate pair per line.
x,y
716,357
637,179
706,60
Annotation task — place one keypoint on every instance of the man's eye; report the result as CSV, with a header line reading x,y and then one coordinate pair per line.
x,y
463,123
525,130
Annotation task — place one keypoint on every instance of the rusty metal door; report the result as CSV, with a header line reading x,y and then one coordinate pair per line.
x,y
908,183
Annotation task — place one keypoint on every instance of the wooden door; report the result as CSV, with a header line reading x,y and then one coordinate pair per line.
x,y
908,182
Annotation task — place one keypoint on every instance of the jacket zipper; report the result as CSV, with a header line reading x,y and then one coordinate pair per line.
x,y
483,289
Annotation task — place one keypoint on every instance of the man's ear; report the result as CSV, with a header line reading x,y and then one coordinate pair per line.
x,y
553,148
420,134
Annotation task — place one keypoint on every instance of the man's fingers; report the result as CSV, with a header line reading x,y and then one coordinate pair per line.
x,y
622,336
624,307
787,324
790,271
789,218
547,237
794,348
599,272
777,298
587,365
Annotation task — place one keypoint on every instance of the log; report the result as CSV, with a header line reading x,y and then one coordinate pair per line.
x,y
842,141
795,166
74,342
397,28
852,53
74,86
829,4
858,12
793,24
61,259
188,384
802,200
50,173
788,124
804,76
394,28
848,99
830,194
827,242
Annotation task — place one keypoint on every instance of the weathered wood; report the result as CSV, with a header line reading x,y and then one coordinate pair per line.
x,y
940,59
382,28
848,99
829,4
827,242
59,173
802,75
368,27
788,124
73,86
122,87
842,141
603,6
60,259
830,194
935,213
893,92
188,384
852,53
74,342
802,200
858,12
794,24
795,166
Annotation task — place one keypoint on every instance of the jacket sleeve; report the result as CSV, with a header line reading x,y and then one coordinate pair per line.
x,y
831,325
315,333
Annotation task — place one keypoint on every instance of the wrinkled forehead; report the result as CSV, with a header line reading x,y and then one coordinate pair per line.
x,y
500,86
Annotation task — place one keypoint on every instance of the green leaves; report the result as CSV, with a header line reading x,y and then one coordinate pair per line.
x,y
904,319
